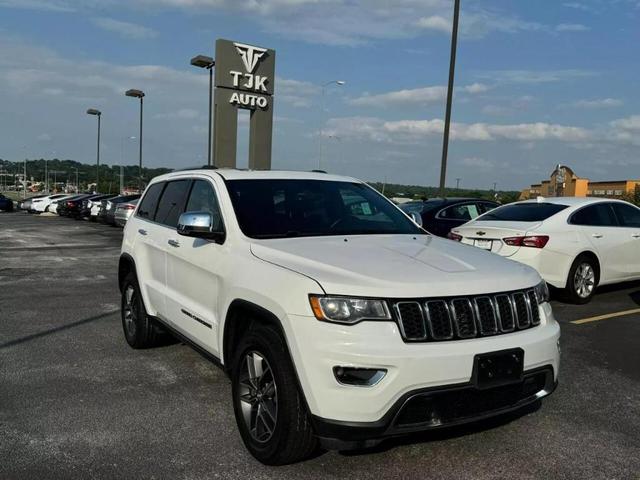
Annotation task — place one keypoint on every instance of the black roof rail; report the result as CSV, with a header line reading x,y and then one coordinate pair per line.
x,y
319,171
203,167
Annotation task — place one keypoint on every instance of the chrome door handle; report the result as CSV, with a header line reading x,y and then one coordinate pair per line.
x,y
142,231
173,243
597,235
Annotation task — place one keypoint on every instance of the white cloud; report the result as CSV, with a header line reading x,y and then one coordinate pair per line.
x,y
44,137
626,130
295,92
125,29
572,27
183,113
534,76
435,22
598,103
415,96
476,162
415,130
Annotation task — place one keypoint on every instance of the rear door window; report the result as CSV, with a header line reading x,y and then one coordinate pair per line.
x,y
149,202
628,216
598,215
172,202
523,212
465,212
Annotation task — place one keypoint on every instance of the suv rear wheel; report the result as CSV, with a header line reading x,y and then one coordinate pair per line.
x,y
270,412
139,330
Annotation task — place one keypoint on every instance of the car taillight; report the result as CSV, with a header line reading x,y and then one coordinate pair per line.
x,y
128,206
69,204
454,236
534,241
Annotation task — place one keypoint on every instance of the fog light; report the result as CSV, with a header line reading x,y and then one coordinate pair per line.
x,y
359,377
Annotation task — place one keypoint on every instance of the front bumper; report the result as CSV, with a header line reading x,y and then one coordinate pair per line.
x,y
318,347
436,408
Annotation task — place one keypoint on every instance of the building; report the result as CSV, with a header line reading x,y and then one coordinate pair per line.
x,y
565,183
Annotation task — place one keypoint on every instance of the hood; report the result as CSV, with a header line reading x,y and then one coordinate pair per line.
x,y
399,266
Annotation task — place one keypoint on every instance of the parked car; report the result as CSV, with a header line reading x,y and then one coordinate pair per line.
x,y
39,205
88,203
123,212
6,204
75,207
53,206
440,215
337,318
108,208
70,207
97,205
576,244
25,204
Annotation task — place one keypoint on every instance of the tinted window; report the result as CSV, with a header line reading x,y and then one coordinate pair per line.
x,y
628,216
412,207
486,207
203,199
149,202
172,202
467,212
289,208
599,215
523,212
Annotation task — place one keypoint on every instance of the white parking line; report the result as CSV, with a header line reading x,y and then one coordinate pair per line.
x,y
606,316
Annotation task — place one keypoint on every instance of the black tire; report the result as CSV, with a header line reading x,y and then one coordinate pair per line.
x,y
291,438
583,279
139,329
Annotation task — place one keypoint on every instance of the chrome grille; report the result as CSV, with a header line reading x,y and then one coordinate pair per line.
x,y
466,317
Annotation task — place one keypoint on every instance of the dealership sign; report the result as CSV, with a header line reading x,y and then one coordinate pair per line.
x,y
247,69
245,77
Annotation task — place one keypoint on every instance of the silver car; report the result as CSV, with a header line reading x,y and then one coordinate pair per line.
x,y
124,211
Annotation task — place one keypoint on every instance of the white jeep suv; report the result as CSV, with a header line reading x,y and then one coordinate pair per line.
x,y
339,321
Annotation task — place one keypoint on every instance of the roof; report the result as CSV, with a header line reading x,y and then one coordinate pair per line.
x,y
569,201
235,174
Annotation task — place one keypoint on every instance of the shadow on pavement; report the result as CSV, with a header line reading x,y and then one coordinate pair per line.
x,y
61,328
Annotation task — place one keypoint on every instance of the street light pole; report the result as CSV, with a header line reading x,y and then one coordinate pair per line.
x,y
447,120
98,113
138,94
324,87
202,61
458,183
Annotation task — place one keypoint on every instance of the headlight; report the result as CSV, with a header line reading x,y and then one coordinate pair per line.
x,y
542,292
348,310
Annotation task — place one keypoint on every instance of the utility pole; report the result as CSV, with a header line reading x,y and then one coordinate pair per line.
x,y
447,120
458,183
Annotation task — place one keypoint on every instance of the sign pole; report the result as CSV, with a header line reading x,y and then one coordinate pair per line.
x,y
447,120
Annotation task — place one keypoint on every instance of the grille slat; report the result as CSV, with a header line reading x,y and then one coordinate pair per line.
x,y
533,304
412,320
467,317
486,316
463,318
522,310
439,320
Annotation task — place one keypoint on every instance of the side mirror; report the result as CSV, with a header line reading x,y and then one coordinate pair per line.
x,y
200,225
417,218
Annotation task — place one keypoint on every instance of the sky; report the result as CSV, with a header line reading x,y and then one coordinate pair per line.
x,y
537,83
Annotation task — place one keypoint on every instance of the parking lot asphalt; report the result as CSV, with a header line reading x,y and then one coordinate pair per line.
x,y
77,402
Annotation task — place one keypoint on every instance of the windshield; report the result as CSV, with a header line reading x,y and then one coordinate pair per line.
x,y
523,212
306,208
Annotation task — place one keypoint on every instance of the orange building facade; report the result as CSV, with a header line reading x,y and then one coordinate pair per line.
x,y
565,183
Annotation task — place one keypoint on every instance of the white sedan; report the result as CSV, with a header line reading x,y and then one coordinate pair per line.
x,y
40,204
576,244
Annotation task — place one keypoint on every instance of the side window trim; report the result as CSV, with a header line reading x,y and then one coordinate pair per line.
x,y
612,212
455,205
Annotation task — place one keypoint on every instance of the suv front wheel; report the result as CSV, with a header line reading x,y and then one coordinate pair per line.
x,y
139,330
270,412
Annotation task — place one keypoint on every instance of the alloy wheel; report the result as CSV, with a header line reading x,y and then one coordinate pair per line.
x,y
130,310
258,396
584,280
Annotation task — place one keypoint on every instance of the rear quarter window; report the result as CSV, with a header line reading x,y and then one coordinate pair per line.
x,y
523,212
149,203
